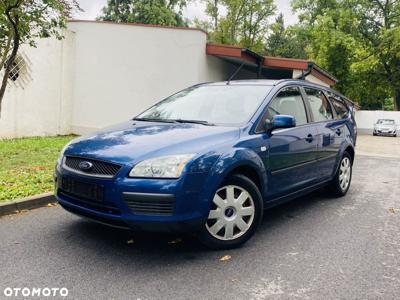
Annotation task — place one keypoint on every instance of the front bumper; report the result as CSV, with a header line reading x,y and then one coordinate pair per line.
x,y
160,205
385,133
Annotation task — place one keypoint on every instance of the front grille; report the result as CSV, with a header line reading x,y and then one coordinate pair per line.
x,y
98,168
150,204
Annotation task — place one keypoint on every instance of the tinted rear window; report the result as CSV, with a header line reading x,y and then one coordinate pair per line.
x,y
341,109
319,104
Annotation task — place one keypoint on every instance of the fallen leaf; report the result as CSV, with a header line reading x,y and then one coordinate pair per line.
x,y
176,241
393,210
225,258
50,204
130,242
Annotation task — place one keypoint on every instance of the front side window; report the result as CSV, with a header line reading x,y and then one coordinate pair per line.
x,y
288,102
319,104
214,104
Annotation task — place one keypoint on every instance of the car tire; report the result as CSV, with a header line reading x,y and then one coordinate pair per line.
x,y
231,223
340,184
374,134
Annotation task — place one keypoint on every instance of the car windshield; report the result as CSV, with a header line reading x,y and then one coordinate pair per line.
x,y
386,122
210,104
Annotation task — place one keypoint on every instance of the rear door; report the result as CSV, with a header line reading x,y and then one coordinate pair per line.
x,y
293,151
330,130
344,116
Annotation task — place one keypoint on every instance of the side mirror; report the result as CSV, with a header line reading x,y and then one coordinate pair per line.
x,y
280,121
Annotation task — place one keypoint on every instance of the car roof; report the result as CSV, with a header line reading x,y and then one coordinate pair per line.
x,y
270,82
267,82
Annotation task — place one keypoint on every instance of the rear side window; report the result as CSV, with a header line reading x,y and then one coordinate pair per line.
x,y
341,109
288,102
319,104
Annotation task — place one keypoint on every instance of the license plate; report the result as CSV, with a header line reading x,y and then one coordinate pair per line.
x,y
88,191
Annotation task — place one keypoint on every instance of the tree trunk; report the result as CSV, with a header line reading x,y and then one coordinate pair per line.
x,y
397,99
13,55
6,50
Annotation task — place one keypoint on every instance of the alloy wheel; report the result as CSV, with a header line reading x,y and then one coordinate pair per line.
x,y
345,173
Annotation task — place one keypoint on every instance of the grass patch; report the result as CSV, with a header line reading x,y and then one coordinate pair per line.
x,y
27,165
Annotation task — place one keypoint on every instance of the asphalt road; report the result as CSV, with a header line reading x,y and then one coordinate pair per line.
x,y
316,247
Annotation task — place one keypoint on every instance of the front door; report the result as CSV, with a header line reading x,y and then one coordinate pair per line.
x,y
292,152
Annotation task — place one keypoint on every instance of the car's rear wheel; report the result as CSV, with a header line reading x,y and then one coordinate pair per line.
x,y
342,180
235,213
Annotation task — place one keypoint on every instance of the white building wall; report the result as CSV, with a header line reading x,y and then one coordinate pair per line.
x,y
311,78
121,70
41,105
102,74
367,118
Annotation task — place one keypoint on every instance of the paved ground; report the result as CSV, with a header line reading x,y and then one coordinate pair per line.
x,y
380,146
316,247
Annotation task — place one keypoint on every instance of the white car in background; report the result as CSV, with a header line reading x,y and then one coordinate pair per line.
x,y
385,127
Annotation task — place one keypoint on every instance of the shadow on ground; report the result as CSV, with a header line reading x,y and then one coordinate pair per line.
x,y
125,245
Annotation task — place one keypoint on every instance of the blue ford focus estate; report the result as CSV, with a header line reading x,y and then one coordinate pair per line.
x,y
211,158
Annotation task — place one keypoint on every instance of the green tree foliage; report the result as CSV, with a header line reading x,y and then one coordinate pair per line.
x,y
244,22
359,42
285,42
157,12
23,22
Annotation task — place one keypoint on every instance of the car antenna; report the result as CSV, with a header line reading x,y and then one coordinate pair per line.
x,y
235,73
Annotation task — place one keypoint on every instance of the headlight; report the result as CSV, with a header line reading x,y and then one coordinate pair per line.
x,y
161,167
59,161
60,158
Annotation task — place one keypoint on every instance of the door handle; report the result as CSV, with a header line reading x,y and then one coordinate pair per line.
x,y
338,131
309,138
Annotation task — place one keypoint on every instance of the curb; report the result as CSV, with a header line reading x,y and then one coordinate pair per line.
x,y
32,202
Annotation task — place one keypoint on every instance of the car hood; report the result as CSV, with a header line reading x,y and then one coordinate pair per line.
x,y
135,140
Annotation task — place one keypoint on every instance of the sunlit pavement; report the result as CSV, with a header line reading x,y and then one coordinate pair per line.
x,y
378,146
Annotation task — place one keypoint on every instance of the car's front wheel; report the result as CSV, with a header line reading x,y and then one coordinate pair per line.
x,y
235,213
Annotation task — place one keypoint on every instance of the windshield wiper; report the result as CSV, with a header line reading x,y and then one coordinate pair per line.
x,y
174,121
194,122
154,120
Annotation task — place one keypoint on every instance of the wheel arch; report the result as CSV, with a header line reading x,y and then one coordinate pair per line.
x,y
241,161
251,173
345,148
350,149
